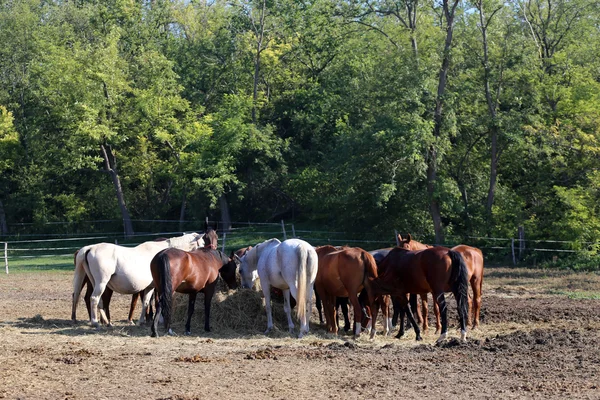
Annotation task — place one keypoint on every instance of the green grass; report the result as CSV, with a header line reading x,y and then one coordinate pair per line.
x,y
576,295
55,263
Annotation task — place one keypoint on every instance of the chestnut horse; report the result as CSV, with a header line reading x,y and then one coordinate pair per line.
x,y
474,260
190,272
436,270
344,273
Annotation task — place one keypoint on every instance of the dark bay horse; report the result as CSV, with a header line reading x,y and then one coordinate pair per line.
x,y
474,260
436,270
344,273
175,270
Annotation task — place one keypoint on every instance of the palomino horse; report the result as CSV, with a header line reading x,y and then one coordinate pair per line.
x,y
290,266
124,270
437,270
474,260
344,273
175,270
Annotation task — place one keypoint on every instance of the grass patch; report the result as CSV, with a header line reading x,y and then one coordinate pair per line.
x,y
54,263
576,295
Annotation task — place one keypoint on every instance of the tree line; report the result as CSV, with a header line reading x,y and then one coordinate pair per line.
x,y
443,117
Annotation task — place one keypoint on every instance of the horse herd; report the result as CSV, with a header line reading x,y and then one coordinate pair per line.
x,y
370,281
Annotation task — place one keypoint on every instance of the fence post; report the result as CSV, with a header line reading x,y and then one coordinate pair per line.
x,y
283,229
512,247
396,236
6,256
293,231
521,242
224,240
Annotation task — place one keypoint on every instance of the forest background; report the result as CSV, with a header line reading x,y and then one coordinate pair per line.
x,y
443,117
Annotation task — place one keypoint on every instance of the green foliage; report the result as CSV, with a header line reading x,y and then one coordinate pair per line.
x,y
339,132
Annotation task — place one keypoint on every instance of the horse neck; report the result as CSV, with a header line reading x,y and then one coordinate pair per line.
x,y
152,246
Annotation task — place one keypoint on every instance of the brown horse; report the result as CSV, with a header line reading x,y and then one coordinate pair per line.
x,y
474,260
344,273
175,270
436,270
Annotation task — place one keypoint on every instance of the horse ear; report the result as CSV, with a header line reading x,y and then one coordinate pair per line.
x,y
409,238
399,237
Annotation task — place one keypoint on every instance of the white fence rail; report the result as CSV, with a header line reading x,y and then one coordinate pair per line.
x,y
250,233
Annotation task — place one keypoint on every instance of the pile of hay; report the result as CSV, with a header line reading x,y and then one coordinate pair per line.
x,y
233,313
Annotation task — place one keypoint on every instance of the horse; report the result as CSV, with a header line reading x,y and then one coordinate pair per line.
x,y
125,270
291,266
175,270
474,260
437,270
344,273
340,302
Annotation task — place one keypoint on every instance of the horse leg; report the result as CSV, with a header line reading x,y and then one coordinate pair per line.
x,y
405,309
319,306
132,305
190,312
425,312
156,316
209,292
396,304
330,313
146,298
266,288
99,288
87,297
440,299
288,310
387,321
344,306
106,296
401,312
357,313
476,285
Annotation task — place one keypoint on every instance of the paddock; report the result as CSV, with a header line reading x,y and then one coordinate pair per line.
x,y
538,337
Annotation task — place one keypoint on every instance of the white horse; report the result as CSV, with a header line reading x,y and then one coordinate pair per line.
x,y
290,266
125,270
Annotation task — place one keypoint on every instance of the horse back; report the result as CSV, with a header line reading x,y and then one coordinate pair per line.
x,y
473,259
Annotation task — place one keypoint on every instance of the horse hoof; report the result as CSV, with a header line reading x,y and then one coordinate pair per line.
x,y
153,334
96,325
268,331
188,333
171,333
399,335
418,338
442,338
131,323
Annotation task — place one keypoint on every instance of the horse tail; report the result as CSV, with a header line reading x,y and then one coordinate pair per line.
x,y
78,279
459,283
166,286
302,284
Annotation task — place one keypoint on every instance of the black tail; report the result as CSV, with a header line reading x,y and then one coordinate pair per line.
x,y
166,287
459,282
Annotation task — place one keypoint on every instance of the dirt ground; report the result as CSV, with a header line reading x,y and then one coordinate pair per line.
x,y
538,339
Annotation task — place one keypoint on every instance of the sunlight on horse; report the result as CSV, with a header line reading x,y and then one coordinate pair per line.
x,y
124,270
436,270
175,270
290,266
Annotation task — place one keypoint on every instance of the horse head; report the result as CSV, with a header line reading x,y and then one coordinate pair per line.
x,y
228,271
210,238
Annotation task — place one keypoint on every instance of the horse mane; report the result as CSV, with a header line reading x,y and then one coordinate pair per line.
x,y
183,241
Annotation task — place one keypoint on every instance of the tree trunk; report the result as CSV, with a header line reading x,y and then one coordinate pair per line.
x,y
3,224
182,210
260,34
434,207
225,216
110,163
